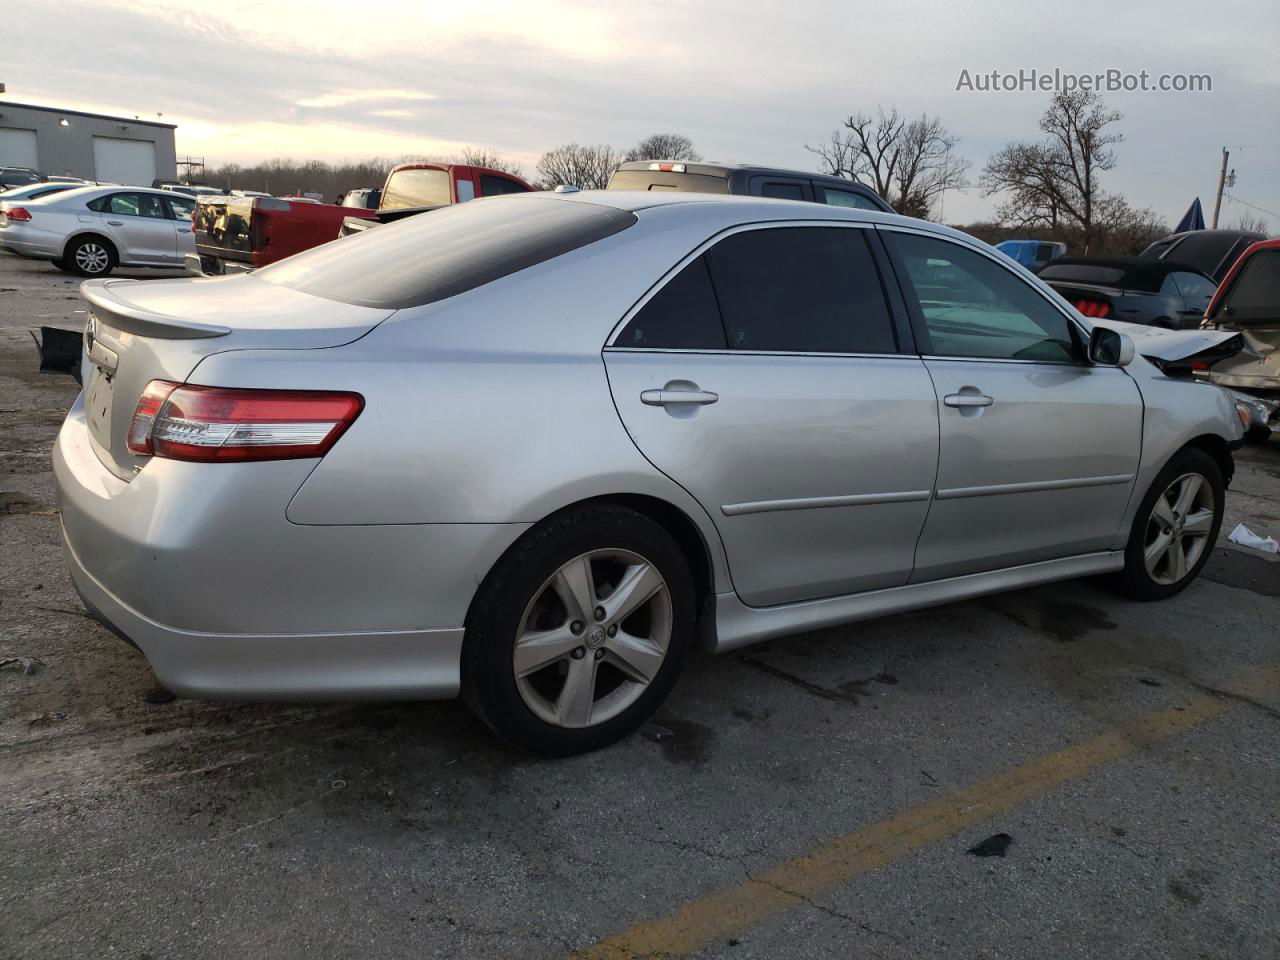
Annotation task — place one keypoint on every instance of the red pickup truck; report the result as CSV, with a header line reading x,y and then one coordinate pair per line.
x,y
237,234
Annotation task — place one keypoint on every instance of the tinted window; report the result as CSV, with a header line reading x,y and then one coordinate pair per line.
x,y
782,191
416,188
421,260
491,186
803,289
681,316
973,307
131,205
847,198
1255,294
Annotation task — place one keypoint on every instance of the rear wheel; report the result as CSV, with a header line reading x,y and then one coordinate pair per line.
x,y
580,631
61,265
1175,528
90,257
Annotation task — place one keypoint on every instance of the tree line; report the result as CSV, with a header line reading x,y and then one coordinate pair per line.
x,y
1049,187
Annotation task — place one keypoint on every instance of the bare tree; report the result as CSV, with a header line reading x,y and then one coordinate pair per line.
x,y
908,162
585,167
1252,223
1055,182
485,157
664,146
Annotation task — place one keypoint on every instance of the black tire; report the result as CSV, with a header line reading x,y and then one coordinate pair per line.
x,y
1136,580
61,265
489,679
82,252
1258,433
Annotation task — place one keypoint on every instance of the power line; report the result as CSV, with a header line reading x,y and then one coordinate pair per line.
x,y
1252,206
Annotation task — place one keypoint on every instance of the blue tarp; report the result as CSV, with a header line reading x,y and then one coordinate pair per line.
x,y
1193,219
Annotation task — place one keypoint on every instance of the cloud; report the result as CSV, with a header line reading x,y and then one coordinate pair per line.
x,y
361,96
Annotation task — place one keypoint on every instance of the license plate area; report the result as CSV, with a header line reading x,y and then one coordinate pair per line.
x,y
97,405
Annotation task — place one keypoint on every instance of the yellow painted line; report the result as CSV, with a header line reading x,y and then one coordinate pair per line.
x,y
838,861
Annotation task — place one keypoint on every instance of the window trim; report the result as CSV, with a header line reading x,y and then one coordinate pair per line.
x,y
919,325
898,319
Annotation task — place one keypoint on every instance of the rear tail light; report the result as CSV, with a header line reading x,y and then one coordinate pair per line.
x,y
19,213
1093,308
208,424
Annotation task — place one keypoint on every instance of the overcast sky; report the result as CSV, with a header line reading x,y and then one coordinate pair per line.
x,y
746,80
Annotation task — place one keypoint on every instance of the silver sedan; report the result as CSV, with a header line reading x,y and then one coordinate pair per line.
x,y
92,230
532,449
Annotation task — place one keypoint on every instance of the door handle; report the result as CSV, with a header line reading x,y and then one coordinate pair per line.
x,y
967,400
666,398
116,223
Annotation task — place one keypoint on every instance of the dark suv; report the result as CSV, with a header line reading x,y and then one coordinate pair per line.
x,y
739,178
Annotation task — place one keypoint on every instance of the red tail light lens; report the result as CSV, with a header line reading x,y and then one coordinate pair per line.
x,y
19,213
1093,308
212,424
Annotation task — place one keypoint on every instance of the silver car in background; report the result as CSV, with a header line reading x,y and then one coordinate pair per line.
x,y
533,448
92,230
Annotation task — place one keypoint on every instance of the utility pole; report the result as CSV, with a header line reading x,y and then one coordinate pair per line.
x,y
1222,182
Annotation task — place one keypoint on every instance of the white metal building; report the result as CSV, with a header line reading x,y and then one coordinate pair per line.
x,y
89,145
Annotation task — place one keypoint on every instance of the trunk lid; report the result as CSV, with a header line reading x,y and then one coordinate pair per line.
x,y
139,331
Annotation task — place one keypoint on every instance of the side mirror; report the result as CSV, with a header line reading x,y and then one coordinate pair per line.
x,y
1110,348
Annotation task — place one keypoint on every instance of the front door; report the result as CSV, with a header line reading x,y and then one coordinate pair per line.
x,y
765,377
1038,448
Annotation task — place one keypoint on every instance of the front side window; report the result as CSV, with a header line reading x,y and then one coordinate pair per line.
x,y
973,307
802,289
416,188
683,315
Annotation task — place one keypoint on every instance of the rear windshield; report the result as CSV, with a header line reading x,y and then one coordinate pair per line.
x,y
657,180
1255,294
416,188
445,252
1083,273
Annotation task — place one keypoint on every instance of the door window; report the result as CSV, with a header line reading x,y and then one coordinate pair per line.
x,y
491,186
681,316
781,190
973,307
1196,290
181,207
802,289
847,198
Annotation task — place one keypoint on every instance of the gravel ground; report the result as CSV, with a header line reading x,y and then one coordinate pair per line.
x,y
1129,751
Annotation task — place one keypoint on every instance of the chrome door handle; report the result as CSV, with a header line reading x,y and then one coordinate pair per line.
x,y
665,398
116,223
967,400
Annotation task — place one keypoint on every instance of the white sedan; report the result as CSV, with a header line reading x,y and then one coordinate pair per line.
x,y
92,230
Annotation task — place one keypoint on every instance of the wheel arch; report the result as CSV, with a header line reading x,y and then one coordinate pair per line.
x,y
90,235
1216,447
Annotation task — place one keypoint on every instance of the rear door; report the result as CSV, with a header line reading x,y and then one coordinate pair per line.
x,y
766,375
1038,449
139,226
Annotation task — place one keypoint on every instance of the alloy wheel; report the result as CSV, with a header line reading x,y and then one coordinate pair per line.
x,y
593,638
91,257
1178,529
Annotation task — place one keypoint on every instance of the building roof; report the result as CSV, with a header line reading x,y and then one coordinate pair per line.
x,y
81,113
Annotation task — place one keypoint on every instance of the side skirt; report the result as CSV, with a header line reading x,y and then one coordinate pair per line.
x,y
738,625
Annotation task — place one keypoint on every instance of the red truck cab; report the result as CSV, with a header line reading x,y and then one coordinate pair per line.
x,y
413,188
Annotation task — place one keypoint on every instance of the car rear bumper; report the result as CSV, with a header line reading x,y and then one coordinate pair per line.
x,y
198,567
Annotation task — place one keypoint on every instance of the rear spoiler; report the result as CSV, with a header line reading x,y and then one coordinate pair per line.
x,y
111,308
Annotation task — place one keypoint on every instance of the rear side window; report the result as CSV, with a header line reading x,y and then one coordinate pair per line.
x,y
847,198
681,316
440,254
802,289
491,186
782,191
416,188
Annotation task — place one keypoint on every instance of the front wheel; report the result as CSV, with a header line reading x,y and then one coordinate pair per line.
x,y
1175,528
580,631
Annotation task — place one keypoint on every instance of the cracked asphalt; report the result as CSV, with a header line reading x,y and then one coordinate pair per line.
x,y
811,797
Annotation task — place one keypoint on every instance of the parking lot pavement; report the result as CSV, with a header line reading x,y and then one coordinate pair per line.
x,y
811,797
